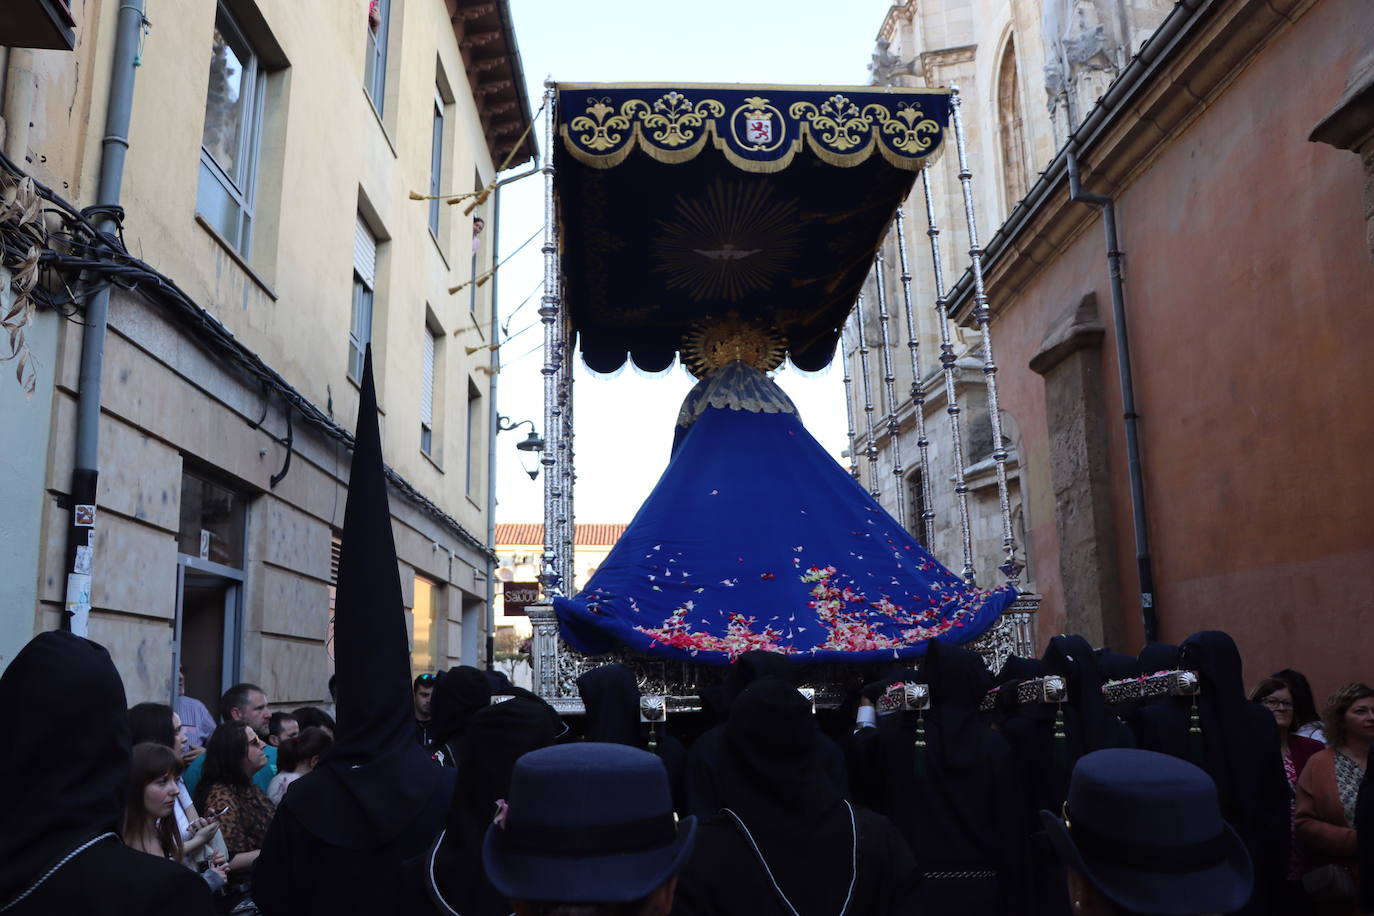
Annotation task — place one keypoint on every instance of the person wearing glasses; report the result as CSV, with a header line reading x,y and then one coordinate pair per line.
x,y
226,790
1274,694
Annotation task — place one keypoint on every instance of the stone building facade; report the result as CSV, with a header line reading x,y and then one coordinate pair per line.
x,y
273,155
1027,72
1234,149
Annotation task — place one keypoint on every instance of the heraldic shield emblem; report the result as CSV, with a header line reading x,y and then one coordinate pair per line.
x,y
758,128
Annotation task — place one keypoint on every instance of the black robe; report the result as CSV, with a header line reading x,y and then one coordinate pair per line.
x,y
611,697
1239,749
64,774
772,782
703,792
458,696
449,875
957,802
340,835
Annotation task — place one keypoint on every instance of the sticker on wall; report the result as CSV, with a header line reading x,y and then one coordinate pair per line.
x,y
82,565
79,601
204,544
84,517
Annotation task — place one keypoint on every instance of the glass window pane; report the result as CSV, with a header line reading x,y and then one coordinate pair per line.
x,y
214,202
212,519
228,97
436,166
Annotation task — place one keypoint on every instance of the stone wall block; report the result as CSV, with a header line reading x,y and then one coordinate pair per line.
x,y
134,569
142,651
294,673
292,539
292,605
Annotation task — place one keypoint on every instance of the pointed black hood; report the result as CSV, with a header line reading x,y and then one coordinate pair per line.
x,y
377,779
65,767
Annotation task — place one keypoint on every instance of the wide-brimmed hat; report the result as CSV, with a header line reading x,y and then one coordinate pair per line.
x,y
1146,830
587,823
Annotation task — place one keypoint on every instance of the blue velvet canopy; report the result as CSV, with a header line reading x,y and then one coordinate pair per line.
x,y
682,203
755,538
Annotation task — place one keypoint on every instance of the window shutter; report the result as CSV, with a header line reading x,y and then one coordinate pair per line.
x,y
365,253
427,382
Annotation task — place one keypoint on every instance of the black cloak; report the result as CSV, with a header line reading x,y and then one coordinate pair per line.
x,y
457,697
448,876
610,694
1239,748
63,777
703,786
339,837
785,829
957,802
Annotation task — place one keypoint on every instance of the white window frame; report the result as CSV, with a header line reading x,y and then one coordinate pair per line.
x,y
374,66
243,192
429,356
436,162
364,283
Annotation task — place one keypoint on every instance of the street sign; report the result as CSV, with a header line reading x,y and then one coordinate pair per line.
x,y
518,596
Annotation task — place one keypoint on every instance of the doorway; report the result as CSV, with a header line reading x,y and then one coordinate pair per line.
x,y
209,628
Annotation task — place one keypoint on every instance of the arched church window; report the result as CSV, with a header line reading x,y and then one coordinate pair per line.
x,y
1011,127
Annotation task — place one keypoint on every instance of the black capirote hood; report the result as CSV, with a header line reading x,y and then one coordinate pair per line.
x,y
459,695
610,694
377,779
64,775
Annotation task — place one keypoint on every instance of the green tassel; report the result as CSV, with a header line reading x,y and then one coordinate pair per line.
x,y
920,748
1061,740
653,738
1195,748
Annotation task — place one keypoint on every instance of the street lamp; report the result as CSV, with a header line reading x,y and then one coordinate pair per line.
x,y
530,447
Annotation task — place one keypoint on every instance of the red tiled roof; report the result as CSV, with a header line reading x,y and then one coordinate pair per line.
x,y
530,534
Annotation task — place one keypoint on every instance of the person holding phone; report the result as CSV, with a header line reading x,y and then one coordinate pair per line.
x,y
233,754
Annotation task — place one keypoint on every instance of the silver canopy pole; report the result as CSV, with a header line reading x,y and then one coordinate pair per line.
x,y
568,518
870,446
1010,567
890,390
549,308
849,395
947,360
918,392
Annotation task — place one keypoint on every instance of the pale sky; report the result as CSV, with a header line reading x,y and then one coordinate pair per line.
x,y
624,425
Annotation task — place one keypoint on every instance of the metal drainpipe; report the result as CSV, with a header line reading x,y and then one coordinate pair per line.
x,y
86,467
492,412
1148,608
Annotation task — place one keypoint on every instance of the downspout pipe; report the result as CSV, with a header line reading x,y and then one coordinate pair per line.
x,y
86,467
1148,608
492,412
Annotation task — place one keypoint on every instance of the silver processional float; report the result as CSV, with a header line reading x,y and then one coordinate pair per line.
x,y
733,228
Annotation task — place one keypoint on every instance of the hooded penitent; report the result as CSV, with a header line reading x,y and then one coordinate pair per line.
x,y
458,696
377,798
1091,726
610,695
449,877
787,834
755,538
955,799
1239,749
64,773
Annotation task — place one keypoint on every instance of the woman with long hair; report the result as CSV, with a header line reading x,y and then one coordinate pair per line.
x,y
1275,695
157,723
1328,790
1307,722
298,756
148,824
226,791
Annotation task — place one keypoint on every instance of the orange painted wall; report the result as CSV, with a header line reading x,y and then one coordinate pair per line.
x,y
1250,296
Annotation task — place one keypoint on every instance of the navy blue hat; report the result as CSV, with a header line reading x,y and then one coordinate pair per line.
x,y
1146,830
587,823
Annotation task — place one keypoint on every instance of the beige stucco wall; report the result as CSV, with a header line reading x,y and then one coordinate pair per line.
x,y
325,155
